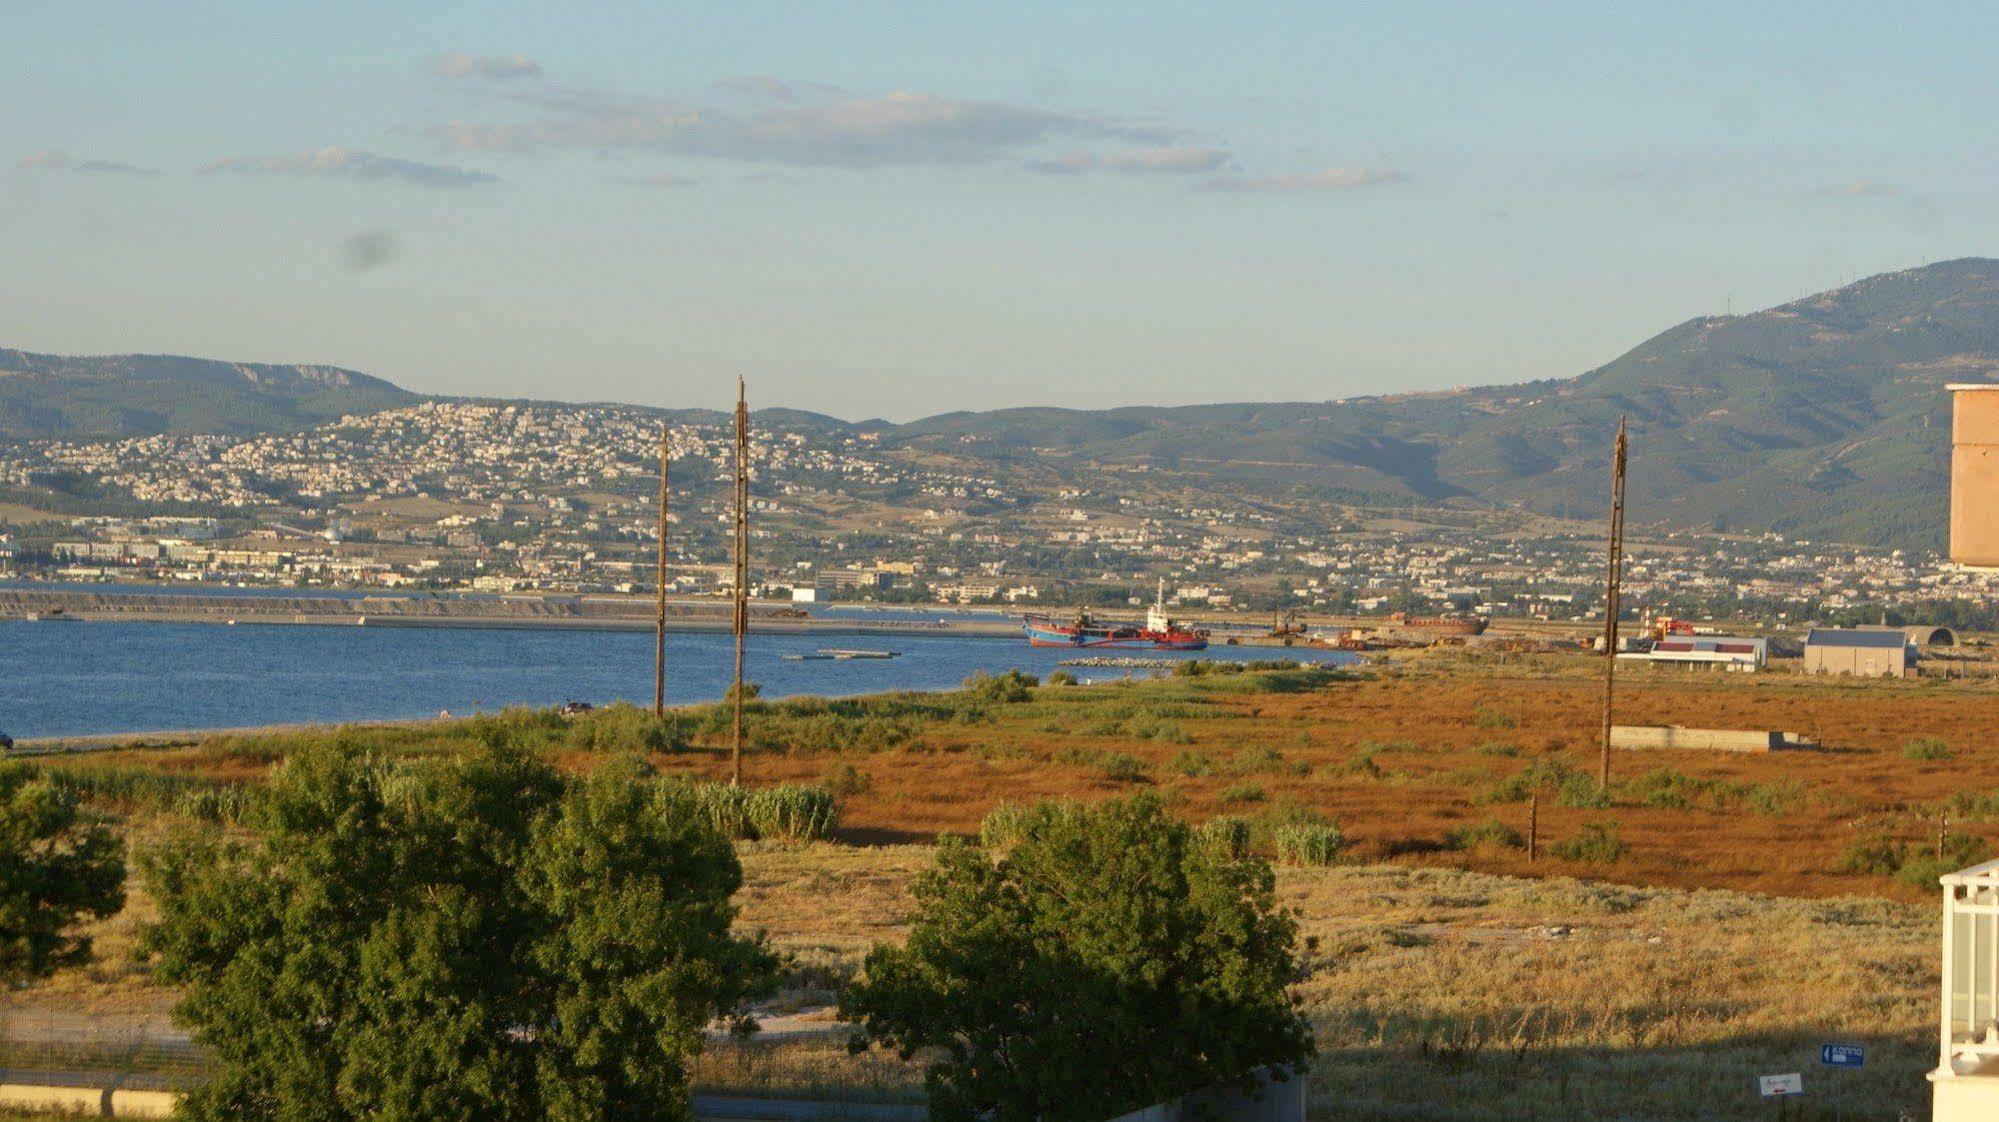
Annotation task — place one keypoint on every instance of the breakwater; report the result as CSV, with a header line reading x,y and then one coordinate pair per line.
x,y
571,613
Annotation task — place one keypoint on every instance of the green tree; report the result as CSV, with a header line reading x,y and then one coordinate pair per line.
x,y
58,865
471,938
1107,960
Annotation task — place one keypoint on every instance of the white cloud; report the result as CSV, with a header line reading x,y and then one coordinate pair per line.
x,y
350,163
48,159
761,87
1861,189
663,179
1166,159
1327,179
458,64
821,128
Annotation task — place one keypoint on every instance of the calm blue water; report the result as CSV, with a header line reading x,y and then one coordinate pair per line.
x,y
73,679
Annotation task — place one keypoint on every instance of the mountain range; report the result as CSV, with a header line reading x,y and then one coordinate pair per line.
x,y
1822,418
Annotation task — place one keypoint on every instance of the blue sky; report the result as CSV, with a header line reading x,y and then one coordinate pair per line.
x,y
895,210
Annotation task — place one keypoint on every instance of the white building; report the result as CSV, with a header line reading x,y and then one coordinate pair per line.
x,y
1966,1081
1726,652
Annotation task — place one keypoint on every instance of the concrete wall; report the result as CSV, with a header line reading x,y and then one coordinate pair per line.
x,y
1974,477
1713,740
1964,1098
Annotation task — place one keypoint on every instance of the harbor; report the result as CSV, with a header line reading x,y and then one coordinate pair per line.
x,y
122,676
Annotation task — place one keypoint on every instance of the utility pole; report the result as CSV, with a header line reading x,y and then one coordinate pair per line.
x,y
1612,594
659,637
742,618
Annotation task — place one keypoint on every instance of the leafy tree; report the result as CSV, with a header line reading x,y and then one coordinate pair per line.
x,y
471,938
1107,960
58,865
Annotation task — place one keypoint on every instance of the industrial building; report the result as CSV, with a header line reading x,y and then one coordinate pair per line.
x,y
1861,652
1726,652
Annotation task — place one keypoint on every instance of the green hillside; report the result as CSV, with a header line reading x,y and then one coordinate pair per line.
x,y
51,396
1822,418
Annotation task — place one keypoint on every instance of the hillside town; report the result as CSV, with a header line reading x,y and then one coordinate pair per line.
x,y
561,498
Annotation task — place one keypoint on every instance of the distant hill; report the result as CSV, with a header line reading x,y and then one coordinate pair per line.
x,y
44,396
1823,418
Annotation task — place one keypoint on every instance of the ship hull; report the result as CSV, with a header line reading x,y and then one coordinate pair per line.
x,y
1041,633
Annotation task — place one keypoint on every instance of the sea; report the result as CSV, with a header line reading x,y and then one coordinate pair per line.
x,y
80,679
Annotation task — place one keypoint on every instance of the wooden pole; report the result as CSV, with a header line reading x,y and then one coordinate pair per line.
x,y
659,635
1613,581
1533,827
742,615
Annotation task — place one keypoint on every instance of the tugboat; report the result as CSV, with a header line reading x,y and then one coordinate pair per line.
x,y
1160,632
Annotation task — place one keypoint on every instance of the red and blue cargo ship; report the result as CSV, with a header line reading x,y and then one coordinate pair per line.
x,y
1159,633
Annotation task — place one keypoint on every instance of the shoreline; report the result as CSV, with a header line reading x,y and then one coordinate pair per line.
x,y
578,613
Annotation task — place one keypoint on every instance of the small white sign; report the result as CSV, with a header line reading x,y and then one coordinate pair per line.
x,y
1772,1086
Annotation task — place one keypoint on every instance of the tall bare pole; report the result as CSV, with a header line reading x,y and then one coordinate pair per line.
x,y
659,635
742,620
1613,589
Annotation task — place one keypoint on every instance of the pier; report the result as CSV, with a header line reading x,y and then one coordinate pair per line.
x,y
573,613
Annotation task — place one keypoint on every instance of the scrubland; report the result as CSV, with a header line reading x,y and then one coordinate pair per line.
x,y
1715,917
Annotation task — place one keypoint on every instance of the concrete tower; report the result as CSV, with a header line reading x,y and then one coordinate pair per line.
x,y
1974,475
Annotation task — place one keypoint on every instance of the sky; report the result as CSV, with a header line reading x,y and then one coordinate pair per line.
x,y
890,210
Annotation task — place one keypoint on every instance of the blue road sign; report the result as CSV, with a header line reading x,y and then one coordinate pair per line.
x,y
1842,1055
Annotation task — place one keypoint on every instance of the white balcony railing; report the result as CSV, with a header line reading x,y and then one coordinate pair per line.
x,y
1970,1022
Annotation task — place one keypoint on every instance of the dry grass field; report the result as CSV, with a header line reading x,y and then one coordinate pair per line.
x,y
1437,993
1731,912
1401,756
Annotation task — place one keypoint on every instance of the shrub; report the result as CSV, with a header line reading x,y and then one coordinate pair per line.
x,y
1486,717
1580,790
1497,748
620,727
1598,844
1008,688
1121,768
1228,833
1666,787
59,866
1028,976
1921,869
392,913
784,812
1193,765
1264,761
1009,823
1303,843
1918,865
1360,765
1489,833
846,779
1571,786
1880,855
1242,793
1166,731
189,796
1926,748
1060,678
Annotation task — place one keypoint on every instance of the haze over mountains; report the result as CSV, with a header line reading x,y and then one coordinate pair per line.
x,y
1823,418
